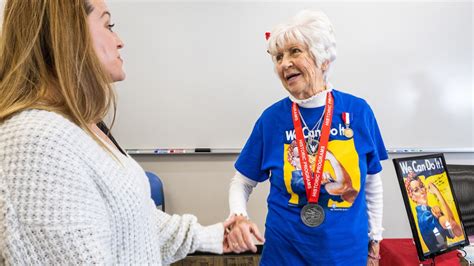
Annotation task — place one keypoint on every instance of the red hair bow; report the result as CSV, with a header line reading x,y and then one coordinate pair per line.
x,y
267,35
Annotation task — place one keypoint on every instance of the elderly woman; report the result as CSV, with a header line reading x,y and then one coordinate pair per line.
x,y
68,193
321,150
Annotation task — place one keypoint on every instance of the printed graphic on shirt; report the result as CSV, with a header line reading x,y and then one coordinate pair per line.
x,y
341,175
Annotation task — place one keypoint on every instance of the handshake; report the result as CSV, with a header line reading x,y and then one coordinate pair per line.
x,y
238,234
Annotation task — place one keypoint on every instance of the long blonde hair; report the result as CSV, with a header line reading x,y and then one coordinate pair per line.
x,y
47,62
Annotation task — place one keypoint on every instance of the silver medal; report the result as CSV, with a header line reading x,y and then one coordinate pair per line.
x,y
312,215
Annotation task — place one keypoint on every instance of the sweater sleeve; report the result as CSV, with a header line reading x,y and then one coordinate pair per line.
x,y
50,210
181,235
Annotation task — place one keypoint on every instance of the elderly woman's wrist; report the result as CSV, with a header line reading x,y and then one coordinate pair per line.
x,y
239,218
374,256
374,241
239,215
374,249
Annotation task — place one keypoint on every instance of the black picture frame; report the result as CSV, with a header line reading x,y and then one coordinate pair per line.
x,y
423,180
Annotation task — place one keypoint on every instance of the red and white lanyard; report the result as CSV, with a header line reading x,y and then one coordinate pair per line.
x,y
313,185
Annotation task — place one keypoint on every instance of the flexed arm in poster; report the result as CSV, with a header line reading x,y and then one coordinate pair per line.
x,y
444,214
435,224
340,183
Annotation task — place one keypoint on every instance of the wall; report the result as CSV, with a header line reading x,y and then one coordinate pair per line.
x,y
198,74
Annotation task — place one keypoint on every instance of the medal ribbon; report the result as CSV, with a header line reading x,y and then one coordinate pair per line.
x,y
313,185
346,118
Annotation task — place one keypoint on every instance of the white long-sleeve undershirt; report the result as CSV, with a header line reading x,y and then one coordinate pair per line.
x,y
240,189
374,198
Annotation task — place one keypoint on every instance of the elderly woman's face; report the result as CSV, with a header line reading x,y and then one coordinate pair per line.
x,y
297,70
106,42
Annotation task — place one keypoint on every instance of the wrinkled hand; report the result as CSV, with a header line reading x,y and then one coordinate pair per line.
x,y
227,225
374,249
240,239
372,262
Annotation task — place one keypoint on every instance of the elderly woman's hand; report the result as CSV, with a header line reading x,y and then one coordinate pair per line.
x,y
227,225
372,262
374,254
240,239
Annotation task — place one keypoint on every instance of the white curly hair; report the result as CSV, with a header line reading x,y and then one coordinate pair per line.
x,y
312,28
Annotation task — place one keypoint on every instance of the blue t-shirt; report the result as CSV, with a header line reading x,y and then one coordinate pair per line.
x,y
270,153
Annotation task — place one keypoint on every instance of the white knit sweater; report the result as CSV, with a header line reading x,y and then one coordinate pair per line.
x,y
65,200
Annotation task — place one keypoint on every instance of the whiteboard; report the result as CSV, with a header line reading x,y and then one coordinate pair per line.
x,y
198,74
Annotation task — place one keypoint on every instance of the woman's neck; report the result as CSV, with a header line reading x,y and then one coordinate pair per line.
x,y
316,100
